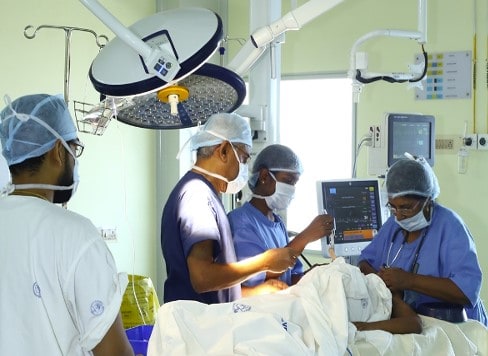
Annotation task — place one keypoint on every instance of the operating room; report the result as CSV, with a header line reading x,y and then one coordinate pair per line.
x,y
128,171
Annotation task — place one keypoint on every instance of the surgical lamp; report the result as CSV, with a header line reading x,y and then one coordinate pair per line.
x,y
142,94
154,75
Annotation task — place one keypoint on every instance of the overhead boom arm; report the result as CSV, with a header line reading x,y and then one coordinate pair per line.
x,y
293,20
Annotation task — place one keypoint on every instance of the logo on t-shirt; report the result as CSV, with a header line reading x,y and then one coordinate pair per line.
x,y
97,308
36,290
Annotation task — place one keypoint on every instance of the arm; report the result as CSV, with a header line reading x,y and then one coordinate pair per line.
x,y
437,287
267,287
320,226
403,320
114,342
206,275
365,267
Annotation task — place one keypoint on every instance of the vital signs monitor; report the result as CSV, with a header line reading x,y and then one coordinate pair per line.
x,y
356,207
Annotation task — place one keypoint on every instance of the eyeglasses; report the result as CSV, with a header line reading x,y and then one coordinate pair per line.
x,y
405,211
247,156
78,147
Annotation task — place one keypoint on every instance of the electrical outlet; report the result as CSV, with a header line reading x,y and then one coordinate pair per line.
x,y
108,234
448,144
444,144
375,136
483,141
471,141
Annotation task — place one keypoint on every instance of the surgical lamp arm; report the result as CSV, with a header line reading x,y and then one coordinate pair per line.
x,y
160,61
293,20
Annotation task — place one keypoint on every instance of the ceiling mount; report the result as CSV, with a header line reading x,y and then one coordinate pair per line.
x,y
124,68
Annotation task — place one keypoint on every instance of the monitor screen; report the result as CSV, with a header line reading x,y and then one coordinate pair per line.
x,y
410,133
356,207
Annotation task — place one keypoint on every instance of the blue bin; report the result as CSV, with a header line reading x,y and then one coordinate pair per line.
x,y
139,337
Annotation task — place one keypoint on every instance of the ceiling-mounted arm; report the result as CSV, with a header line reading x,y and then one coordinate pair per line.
x,y
293,20
358,62
160,60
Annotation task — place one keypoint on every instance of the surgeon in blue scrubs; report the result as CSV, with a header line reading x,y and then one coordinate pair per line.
x,y
424,250
257,226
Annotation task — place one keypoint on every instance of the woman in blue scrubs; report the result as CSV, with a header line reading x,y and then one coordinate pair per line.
x,y
424,250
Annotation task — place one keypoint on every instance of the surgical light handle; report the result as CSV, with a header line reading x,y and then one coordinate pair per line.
x,y
152,56
293,20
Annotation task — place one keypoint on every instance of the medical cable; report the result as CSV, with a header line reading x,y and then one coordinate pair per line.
x,y
133,289
389,79
306,260
331,239
475,62
388,264
366,138
414,266
293,234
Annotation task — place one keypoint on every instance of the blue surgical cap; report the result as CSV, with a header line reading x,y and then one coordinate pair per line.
x,y
222,127
412,177
275,158
23,137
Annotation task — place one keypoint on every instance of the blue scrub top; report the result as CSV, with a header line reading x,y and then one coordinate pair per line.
x,y
448,251
254,233
194,213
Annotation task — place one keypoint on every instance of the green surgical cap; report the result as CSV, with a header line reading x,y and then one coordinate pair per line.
x,y
412,177
275,158
23,136
222,127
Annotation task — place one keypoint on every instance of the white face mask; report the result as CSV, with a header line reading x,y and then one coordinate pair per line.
x,y
58,197
64,195
234,186
416,222
282,196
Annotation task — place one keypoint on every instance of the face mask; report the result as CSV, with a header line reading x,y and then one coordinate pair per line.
x,y
67,186
234,186
416,222
69,179
282,196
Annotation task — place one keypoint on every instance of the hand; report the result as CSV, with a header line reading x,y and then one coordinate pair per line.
x,y
269,286
396,279
361,325
280,259
274,285
322,225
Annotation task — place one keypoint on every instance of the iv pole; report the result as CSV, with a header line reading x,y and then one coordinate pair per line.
x,y
67,48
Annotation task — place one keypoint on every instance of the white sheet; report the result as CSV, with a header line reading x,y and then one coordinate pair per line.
x,y
438,338
311,318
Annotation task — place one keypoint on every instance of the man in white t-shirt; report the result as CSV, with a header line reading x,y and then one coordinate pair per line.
x,y
60,292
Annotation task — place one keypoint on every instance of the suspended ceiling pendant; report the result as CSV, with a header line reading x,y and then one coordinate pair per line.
x,y
141,97
191,34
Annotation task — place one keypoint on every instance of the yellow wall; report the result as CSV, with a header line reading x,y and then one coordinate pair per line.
x,y
117,169
324,46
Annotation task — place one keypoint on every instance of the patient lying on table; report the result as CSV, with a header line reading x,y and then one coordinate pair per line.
x,y
320,315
